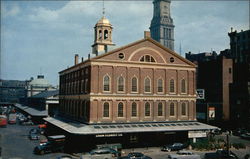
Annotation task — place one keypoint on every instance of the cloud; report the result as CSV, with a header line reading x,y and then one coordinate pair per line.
x,y
10,11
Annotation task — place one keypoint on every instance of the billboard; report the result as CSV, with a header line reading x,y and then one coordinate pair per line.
x,y
200,93
211,113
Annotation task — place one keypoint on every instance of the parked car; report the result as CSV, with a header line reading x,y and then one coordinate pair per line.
x,y
220,154
3,120
105,150
239,131
12,118
135,155
173,147
65,157
216,132
34,136
247,156
54,144
29,122
184,155
245,136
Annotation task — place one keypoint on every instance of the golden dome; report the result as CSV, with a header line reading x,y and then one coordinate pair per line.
x,y
103,21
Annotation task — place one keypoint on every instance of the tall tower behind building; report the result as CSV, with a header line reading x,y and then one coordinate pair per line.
x,y
162,27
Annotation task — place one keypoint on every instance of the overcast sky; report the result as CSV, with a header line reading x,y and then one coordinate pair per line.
x,y
43,36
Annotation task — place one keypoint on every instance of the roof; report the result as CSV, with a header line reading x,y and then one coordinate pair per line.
x,y
32,111
112,128
39,82
103,21
46,94
130,45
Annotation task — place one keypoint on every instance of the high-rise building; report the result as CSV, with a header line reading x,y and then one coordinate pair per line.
x,y
162,27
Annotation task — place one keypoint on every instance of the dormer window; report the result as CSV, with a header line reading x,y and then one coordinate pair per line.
x,y
147,58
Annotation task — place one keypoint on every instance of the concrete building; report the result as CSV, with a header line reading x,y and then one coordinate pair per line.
x,y
38,85
214,75
139,93
12,90
162,27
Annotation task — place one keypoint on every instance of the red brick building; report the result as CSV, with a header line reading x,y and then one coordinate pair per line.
x,y
141,92
142,81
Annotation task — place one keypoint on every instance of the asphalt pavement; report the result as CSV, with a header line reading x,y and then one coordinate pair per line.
x,y
15,144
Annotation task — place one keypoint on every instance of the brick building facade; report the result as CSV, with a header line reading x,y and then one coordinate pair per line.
x,y
140,82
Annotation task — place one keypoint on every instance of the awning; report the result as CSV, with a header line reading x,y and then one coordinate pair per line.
x,y
32,111
102,128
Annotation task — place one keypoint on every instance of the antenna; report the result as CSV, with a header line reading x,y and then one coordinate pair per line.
x,y
103,8
40,73
180,49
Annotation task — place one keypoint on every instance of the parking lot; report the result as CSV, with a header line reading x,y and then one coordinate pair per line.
x,y
15,143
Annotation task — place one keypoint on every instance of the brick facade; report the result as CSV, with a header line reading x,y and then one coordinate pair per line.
x,y
83,96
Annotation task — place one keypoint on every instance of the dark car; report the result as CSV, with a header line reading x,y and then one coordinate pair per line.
x,y
220,154
173,147
239,131
138,155
105,150
34,136
245,136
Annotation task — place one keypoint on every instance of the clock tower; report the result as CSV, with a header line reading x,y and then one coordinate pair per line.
x,y
162,27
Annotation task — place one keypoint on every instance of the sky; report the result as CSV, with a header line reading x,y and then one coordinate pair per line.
x,y
42,37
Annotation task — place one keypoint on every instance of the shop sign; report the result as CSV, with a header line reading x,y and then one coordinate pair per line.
x,y
196,134
211,112
108,135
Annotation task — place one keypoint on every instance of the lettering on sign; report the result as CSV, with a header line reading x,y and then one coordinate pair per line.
x,y
108,135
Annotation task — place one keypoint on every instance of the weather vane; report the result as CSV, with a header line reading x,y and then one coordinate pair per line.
x,y
103,9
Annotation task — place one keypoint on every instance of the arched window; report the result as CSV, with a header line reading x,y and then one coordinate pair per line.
x,y
106,83
183,86
147,84
134,109
134,84
147,109
106,109
171,87
160,109
147,58
160,85
172,109
120,109
183,109
121,84
100,34
105,34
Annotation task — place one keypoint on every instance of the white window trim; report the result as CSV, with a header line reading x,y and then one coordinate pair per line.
x,y
123,112
150,112
117,84
109,83
103,110
172,116
186,107
170,86
136,110
150,85
185,86
162,109
162,86
137,86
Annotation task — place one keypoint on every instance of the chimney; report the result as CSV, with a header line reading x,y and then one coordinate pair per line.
x,y
82,59
147,34
76,59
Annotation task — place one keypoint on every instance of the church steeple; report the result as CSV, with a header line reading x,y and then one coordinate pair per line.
x,y
162,27
103,35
